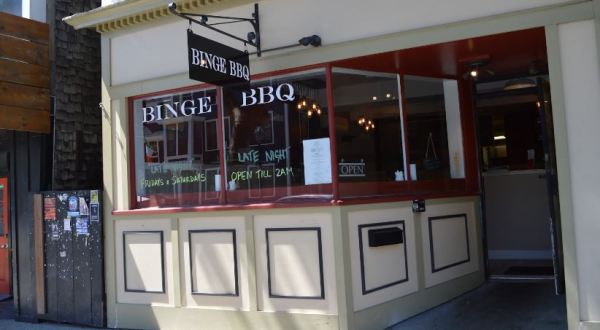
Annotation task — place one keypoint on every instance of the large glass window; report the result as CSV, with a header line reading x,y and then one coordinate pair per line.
x,y
274,137
368,126
13,7
434,128
277,139
176,153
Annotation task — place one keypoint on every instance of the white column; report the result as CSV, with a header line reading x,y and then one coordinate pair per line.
x,y
453,125
581,83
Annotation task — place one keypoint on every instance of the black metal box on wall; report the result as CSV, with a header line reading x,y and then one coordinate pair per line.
x,y
73,257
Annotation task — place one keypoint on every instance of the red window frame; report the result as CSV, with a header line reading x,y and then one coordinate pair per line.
x,y
398,191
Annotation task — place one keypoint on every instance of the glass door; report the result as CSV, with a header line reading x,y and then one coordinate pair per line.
x,y
547,128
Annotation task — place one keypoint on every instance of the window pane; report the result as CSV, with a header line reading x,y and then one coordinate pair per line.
x,y
368,125
13,7
434,130
168,170
171,140
182,139
2,207
269,128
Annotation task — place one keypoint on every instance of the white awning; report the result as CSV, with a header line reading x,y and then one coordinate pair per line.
x,y
127,13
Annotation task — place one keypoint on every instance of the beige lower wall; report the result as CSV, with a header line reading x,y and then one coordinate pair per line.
x,y
130,316
424,288
269,264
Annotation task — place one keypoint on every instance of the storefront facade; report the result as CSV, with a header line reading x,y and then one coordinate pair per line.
x,y
290,203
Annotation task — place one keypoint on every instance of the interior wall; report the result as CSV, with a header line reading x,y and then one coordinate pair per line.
x,y
581,83
517,216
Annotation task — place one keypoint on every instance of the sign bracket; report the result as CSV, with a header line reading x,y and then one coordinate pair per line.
x,y
252,39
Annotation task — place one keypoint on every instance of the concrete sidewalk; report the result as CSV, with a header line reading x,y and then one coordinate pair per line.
x,y
497,305
7,321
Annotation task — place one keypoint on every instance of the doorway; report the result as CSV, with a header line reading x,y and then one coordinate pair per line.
x,y
4,243
517,168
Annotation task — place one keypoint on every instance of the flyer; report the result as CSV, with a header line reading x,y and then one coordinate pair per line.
x,y
83,208
81,226
54,233
94,212
93,196
73,207
49,208
67,224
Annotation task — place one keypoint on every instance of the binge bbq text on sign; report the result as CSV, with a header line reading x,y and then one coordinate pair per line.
x,y
215,63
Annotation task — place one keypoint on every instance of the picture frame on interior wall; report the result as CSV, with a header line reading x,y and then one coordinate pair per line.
x,y
162,259
259,191
271,140
211,174
320,252
361,245
431,250
235,262
210,140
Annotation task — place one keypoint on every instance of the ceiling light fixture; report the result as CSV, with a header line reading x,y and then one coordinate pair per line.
x,y
367,124
519,83
475,67
499,137
310,106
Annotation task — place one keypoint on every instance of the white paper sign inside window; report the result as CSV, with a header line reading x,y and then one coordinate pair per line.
x,y
317,161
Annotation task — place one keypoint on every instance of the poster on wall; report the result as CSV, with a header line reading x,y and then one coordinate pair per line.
x,y
49,208
81,226
317,161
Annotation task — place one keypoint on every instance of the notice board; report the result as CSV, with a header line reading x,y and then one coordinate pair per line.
x,y
73,257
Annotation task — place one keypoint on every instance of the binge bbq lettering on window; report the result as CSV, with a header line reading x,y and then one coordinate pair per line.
x,y
264,95
186,108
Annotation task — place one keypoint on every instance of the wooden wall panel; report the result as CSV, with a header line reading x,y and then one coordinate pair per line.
x,y
23,50
23,96
24,28
23,119
24,75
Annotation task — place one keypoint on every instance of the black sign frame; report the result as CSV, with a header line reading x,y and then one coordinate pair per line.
x,y
214,63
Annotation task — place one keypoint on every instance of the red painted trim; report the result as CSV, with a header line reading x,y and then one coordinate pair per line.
x,y
289,70
208,86
5,206
130,155
263,206
228,207
365,201
332,139
173,91
220,144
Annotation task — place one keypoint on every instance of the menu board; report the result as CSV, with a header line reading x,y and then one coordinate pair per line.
x,y
317,161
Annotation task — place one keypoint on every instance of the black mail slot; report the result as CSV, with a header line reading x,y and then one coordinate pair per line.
x,y
385,236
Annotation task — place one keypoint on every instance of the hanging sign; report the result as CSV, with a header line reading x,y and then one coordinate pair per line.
x,y
215,63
